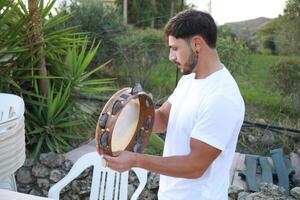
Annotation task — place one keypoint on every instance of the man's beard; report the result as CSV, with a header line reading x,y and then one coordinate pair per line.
x,y
190,64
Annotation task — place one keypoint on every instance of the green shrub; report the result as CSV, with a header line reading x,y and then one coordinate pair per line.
x,y
138,55
52,122
233,54
287,75
287,79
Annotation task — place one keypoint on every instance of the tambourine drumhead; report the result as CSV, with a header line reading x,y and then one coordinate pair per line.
x,y
125,126
125,122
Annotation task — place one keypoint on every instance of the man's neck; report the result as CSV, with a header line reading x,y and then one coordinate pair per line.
x,y
208,63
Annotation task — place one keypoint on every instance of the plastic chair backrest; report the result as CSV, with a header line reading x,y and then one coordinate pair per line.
x,y
11,107
106,183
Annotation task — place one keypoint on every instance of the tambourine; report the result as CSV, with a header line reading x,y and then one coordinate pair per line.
x,y
125,122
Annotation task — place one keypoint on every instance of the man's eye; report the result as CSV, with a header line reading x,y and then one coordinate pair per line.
x,y
173,48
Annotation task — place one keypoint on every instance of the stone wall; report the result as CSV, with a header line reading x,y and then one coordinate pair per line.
x,y
36,177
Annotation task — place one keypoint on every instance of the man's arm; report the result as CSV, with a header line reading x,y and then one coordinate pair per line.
x,y
192,165
161,118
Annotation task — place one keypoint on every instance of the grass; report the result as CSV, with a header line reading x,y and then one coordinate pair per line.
x,y
256,85
257,88
265,104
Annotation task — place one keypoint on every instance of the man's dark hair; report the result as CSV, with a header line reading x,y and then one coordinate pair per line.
x,y
189,23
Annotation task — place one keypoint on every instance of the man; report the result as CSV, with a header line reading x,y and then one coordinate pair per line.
x,y
202,118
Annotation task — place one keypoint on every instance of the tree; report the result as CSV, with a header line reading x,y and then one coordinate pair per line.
x,y
36,38
102,24
154,13
267,36
288,33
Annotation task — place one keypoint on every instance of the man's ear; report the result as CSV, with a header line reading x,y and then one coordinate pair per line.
x,y
197,43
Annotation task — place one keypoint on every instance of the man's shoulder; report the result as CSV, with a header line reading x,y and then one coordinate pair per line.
x,y
227,96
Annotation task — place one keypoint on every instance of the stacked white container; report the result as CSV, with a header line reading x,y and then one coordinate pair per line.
x,y
12,138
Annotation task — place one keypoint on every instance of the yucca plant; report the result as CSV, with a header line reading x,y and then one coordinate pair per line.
x,y
76,71
33,41
57,120
53,121
9,43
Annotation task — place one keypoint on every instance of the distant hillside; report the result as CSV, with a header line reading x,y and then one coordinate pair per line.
x,y
246,29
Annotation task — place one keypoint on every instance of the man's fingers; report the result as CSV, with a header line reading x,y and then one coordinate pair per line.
x,y
116,153
107,158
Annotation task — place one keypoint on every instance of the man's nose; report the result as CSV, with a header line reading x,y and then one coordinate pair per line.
x,y
172,56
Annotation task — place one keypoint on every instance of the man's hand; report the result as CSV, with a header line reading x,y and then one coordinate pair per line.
x,y
121,160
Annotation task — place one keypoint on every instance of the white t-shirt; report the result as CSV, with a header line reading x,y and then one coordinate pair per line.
x,y
210,110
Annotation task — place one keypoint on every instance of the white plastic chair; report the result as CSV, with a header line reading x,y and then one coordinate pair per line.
x,y
11,107
12,139
106,183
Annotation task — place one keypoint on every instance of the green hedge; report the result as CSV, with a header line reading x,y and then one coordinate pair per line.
x,y
287,79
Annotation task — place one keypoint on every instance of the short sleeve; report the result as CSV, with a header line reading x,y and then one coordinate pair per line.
x,y
170,99
175,91
215,124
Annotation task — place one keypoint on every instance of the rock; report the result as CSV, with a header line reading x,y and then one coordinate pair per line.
x,y
67,165
45,192
268,191
234,190
297,180
295,192
67,197
85,188
272,190
268,138
76,186
153,181
29,162
131,190
24,188
148,195
40,171
43,183
242,195
56,175
261,121
36,192
132,177
24,175
52,160
74,196
252,139
257,196
66,188
85,173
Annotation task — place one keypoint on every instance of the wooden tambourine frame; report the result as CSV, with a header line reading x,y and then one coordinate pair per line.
x,y
125,122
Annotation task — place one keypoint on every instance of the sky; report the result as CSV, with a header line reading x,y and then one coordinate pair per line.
x,y
224,11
